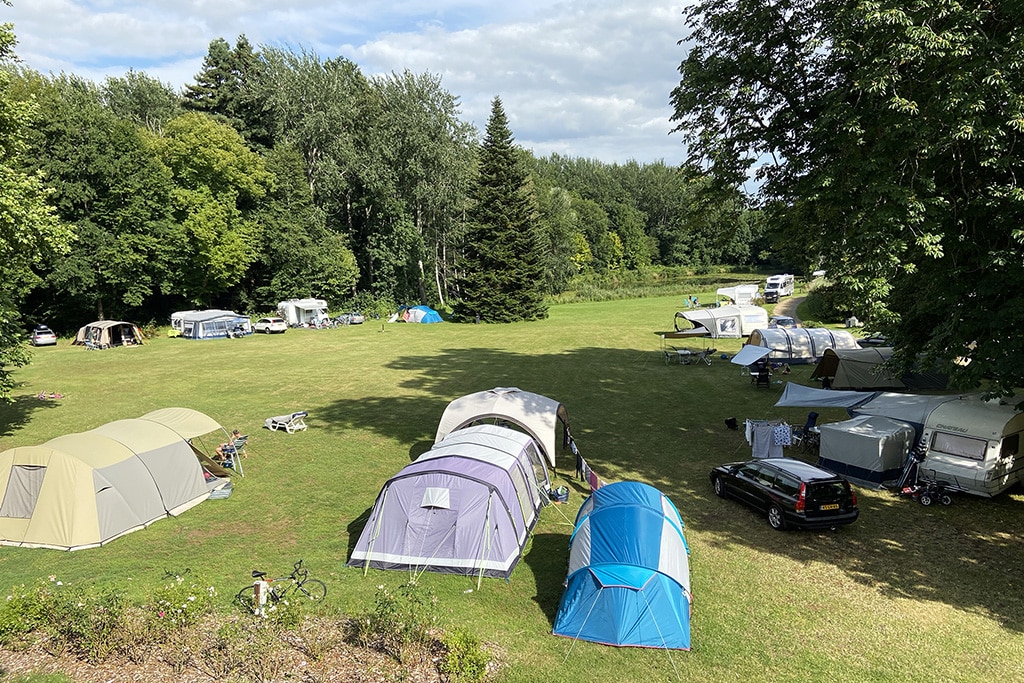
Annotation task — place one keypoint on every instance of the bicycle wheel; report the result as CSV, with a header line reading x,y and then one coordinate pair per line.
x,y
314,589
246,598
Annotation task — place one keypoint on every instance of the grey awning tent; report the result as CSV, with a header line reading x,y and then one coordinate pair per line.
x,y
799,396
539,416
858,369
868,450
725,321
913,409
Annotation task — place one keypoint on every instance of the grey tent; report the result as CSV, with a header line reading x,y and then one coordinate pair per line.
x,y
867,450
466,506
913,409
800,344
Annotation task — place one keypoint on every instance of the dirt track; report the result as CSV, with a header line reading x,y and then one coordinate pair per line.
x,y
787,306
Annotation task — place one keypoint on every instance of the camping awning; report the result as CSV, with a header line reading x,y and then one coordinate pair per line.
x,y
799,396
750,354
185,422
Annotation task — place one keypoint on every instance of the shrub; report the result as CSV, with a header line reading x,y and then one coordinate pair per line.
x,y
464,660
179,604
399,619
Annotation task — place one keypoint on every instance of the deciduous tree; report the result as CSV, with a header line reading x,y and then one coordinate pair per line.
x,y
29,229
887,137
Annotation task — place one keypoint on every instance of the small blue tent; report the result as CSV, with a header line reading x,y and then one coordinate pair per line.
x,y
420,314
629,571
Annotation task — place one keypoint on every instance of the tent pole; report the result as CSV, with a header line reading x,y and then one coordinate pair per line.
x,y
486,545
376,533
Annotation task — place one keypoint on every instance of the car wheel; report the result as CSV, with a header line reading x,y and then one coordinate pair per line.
x,y
267,330
719,487
776,519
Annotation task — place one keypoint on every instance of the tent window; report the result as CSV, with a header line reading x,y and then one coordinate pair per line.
x,y
962,446
435,497
22,491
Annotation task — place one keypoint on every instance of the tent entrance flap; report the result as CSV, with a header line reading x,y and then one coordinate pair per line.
x,y
22,492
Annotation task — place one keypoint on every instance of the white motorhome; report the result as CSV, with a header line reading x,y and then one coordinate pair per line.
x,y
777,287
298,312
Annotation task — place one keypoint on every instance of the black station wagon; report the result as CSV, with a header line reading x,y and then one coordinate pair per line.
x,y
792,493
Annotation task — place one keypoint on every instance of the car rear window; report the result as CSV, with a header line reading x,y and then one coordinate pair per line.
x,y
826,492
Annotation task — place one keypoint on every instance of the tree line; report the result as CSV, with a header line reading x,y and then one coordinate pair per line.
x,y
280,174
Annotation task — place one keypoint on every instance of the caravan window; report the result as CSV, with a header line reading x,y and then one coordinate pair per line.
x,y
961,446
1010,446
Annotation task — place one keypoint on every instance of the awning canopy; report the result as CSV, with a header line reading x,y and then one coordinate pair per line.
x,y
799,396
749,354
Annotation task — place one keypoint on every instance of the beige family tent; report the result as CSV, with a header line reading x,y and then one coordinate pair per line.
x,y
84,490
103,334
537,415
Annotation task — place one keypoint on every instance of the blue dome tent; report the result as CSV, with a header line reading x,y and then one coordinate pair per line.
x,y
629,573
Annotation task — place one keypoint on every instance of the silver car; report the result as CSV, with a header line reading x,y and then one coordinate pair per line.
x,y
42,336
270,325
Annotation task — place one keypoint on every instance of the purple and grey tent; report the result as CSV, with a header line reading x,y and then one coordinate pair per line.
x,y
466,506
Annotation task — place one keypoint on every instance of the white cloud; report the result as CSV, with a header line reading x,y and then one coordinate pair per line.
x,y
589,79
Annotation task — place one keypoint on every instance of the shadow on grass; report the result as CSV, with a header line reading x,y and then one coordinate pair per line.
x,y
19,412
634,417
548,558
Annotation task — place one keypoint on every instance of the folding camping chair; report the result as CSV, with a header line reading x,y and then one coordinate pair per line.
x,y
807,436
233,452
290,423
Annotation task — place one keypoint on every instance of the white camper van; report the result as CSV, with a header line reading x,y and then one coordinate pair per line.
x,y
299,312
777,287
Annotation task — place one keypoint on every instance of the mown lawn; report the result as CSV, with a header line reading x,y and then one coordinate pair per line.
x,y
906,593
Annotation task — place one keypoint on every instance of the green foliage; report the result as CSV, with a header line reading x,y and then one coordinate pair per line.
x,y
29,228
895,136
84,623
141,99
181,603
219,183
400,619
464,660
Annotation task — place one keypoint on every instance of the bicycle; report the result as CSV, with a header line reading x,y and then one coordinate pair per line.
x,y
254,597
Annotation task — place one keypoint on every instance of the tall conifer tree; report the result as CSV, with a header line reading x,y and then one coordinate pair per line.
x,y
502,270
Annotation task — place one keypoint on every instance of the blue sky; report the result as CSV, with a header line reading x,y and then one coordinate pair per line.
x,y
584,79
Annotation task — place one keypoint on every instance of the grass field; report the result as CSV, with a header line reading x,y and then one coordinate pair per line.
x,y
906,593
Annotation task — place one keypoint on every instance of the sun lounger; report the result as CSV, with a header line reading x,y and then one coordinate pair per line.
x,y
290,423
